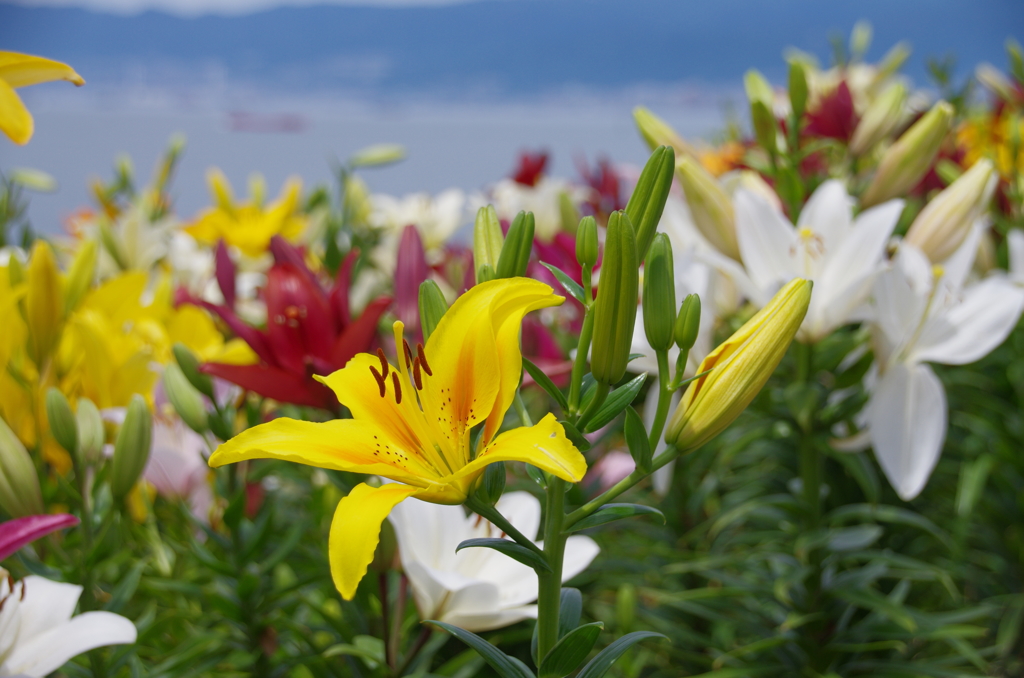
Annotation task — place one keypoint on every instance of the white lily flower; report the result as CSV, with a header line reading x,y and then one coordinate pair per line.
x,y
435,217
38,635
926,314
510,198
477,589
840,254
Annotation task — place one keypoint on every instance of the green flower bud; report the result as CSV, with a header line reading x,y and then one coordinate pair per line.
x,y
377,155
797,88
907,160
757,88
586,242
189,364
764,125
186,400
880,119
710,206
62,420
515,253
688,322
131,449
615,307
91,434
648,200
567,210
656,132
484,273
659,297
20,494
432,307
487,240
492,485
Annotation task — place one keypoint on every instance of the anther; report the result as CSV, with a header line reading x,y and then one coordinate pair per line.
x,y
383,363
416,373
408,353
398,388
423,359
379,378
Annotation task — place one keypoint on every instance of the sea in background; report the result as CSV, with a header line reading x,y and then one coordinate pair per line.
x,y
464,86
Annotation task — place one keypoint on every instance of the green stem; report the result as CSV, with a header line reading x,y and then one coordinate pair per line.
x,y
524,414
549,594
810,459
664,399
600,394
492,515
618,488
582,350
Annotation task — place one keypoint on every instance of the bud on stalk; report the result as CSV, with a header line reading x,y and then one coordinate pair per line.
x,y
880,119
189,364
185,399
648,200
741,365
764,125
515,253
20,494
659,299
798,91
615,307
432,307
710,206
62,420
688,323
487,241
656,132
946,221
131,449
907,160
586,242
91,434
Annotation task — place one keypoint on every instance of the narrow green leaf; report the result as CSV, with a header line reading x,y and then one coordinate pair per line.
x,y
569,610
612,512
618,400
544,381
853,538
125,588
870,600
600,664
577,438
636,440
574,289
509,548
503,665
571,651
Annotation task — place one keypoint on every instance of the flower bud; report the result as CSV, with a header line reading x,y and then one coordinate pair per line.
x,y
492,483
185,399
62,420
80,276
798,88
515,253
741,366
764,125
993,78
91,433
945,222
648,200
880,119
586,242
710,206
757,88
131,449
659,299
907,160
20,494
189,364
656,132
487,240
615,307
377,155
44,303
432,307
484,274
688,322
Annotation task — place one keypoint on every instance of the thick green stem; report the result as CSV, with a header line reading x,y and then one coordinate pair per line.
x,y
618,488
578,367
664,399
549,594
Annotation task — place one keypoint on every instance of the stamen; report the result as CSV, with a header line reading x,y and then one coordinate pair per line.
x,y
408,353
423,359
381,384
398,388
383,362
416,373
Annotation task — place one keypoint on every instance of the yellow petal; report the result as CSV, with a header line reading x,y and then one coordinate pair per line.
x,y
15,120
341,445
21,70
543,445
355,531
220,188
44,304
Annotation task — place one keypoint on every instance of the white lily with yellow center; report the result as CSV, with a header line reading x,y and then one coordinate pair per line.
x,y
412,423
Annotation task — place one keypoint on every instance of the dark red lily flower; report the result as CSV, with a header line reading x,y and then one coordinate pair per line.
x,y
309,331
834,117
531,168
411,270
606,194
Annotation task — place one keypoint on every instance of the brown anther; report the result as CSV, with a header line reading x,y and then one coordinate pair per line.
x,y
398,388
423,359
381,384
383,362
408,353
416,373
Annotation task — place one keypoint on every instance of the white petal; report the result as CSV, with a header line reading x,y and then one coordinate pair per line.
x,y
431,587
522,510
827,213
487,621
47,605
767,242
580,551
969,330
49,651
900,295
907,415
958,266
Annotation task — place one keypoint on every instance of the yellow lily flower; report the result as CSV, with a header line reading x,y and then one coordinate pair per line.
x,y
249,226
21,70
412,423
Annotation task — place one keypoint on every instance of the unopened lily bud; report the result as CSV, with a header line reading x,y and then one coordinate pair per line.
x,y
484,273
945,222
515,253
991,77
757,87
131,449
656,132
798,90
586,242
907,160
20,494
44,303
91,434
688,322
186,400
648,200
615,307
710,206
432,307
659,299
62,420
763,120
567,211
487,240
15,271
377,155
492,484
880,119
741,366
189,364
80,275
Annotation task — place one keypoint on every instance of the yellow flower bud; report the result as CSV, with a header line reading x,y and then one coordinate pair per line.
x,y
946,221
656,132
20,494
487,240
44,302
739,369
881,118
710,206
907,160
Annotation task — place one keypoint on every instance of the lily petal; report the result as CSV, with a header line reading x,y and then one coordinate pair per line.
x,y
358,335
53,603
16,533
22,70
273,382
543,445
47,652
15,120
766,241
827,213
355,531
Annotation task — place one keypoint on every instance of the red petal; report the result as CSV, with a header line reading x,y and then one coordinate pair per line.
x,y
342,284
273,382
359,336
410,270
299,322
18,532
225,273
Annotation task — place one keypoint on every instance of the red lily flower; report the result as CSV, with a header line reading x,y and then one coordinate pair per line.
x,y
834,117
309,331
531,168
